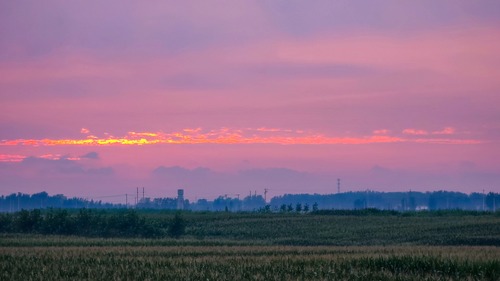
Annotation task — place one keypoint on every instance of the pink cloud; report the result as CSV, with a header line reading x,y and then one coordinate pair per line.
x,y
11,158
415,132
381,132
264,129
19,158
445,131
449,141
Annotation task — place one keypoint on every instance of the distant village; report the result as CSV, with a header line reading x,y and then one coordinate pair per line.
x,y
398,201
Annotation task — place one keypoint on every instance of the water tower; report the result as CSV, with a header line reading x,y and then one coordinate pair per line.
x,y
180,199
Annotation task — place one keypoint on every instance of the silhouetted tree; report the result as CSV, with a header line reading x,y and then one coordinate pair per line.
x,y
267,209
283,208
253,202
492,201
177,226
412,205
306,208
24,223
298,208
315,207
359,204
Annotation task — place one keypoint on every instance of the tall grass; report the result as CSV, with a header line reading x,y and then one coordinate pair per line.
x,y
250,263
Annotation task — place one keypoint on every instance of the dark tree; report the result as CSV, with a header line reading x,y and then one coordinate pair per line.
x,y
298,208
267,209
492,200
306,208
177,226
283,208
412,205
315,207
359,204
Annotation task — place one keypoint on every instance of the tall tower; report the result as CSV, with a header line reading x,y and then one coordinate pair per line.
x,y
338,185
180,199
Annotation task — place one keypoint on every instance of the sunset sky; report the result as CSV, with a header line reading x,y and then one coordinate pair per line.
x,y
228,97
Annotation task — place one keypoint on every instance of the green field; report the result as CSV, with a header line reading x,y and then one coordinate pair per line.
x,y
251,246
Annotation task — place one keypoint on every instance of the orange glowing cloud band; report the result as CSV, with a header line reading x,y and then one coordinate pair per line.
x,y
227,136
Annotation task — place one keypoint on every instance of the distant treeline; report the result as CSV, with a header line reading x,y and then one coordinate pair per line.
x,y
19,201
398,201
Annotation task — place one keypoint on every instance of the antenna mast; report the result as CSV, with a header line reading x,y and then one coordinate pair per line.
x,y
338,185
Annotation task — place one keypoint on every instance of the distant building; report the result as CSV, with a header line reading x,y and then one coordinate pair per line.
x,y
180,199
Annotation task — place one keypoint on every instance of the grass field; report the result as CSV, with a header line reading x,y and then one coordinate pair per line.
x,y
248,246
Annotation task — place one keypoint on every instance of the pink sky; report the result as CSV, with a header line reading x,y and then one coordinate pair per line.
x,y
223,97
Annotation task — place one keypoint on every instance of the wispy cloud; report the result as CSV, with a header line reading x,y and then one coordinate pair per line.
x,y
445,131
238,136
264,129
419,132
20,158
415,132
11,158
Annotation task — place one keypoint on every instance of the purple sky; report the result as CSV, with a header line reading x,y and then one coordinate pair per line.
x,y
224,97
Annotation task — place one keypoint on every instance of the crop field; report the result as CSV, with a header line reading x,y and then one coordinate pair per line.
x,y
352,228
249,246
249,263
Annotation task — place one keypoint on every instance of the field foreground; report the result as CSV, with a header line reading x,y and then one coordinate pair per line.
x,y
269,247
249,263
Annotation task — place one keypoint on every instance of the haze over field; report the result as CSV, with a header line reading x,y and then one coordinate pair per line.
x,y
223,97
